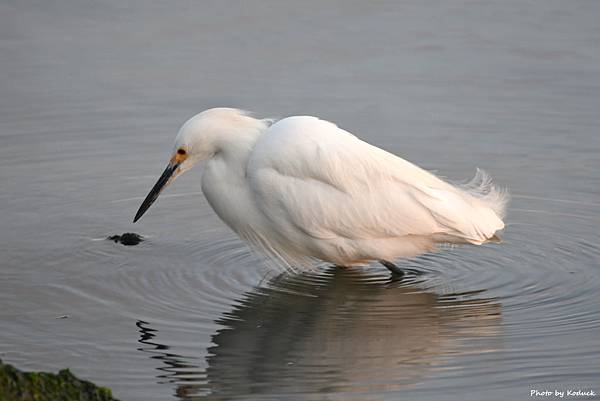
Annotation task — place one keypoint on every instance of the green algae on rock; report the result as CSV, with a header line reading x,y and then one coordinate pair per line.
x,y
16,385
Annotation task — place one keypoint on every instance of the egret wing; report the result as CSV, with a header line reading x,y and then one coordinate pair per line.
x,y
309,175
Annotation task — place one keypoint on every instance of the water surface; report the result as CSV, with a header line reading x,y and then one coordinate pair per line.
x,y
92,96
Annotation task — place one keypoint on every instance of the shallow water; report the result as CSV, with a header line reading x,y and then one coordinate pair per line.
x,y
92,96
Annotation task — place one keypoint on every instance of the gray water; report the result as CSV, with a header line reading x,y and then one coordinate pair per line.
x,y
92,94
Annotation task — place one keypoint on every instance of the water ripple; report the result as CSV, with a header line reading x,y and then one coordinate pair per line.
x,y
346,332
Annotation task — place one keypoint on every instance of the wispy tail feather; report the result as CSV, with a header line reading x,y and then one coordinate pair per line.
x,y
482,188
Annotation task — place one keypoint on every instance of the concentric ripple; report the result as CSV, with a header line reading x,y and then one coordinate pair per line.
x,y
207,319
352,333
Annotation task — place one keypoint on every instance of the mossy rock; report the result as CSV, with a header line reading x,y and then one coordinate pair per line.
x,y
41,386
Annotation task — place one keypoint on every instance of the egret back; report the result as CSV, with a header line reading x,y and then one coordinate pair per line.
x,y
327,191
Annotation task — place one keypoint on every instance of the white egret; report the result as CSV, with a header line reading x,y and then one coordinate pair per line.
x,y
303,189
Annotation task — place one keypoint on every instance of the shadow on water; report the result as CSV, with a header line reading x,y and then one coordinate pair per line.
x,y
340,333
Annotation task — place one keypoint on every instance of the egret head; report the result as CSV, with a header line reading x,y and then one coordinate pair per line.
x,y
200,138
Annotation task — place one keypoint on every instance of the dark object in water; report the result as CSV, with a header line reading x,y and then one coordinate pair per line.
x,y
16,385
127,238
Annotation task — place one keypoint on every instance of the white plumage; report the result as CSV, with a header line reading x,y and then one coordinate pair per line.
x,y
304,189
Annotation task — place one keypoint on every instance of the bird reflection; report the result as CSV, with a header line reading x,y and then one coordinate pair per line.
x,y
334,332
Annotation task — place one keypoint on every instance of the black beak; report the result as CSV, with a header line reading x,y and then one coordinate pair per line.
x,y
156,189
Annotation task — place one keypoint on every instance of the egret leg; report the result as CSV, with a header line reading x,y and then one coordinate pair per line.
x,y
396,271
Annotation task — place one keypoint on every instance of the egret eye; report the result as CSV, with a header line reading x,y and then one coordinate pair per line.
x,y
181,151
